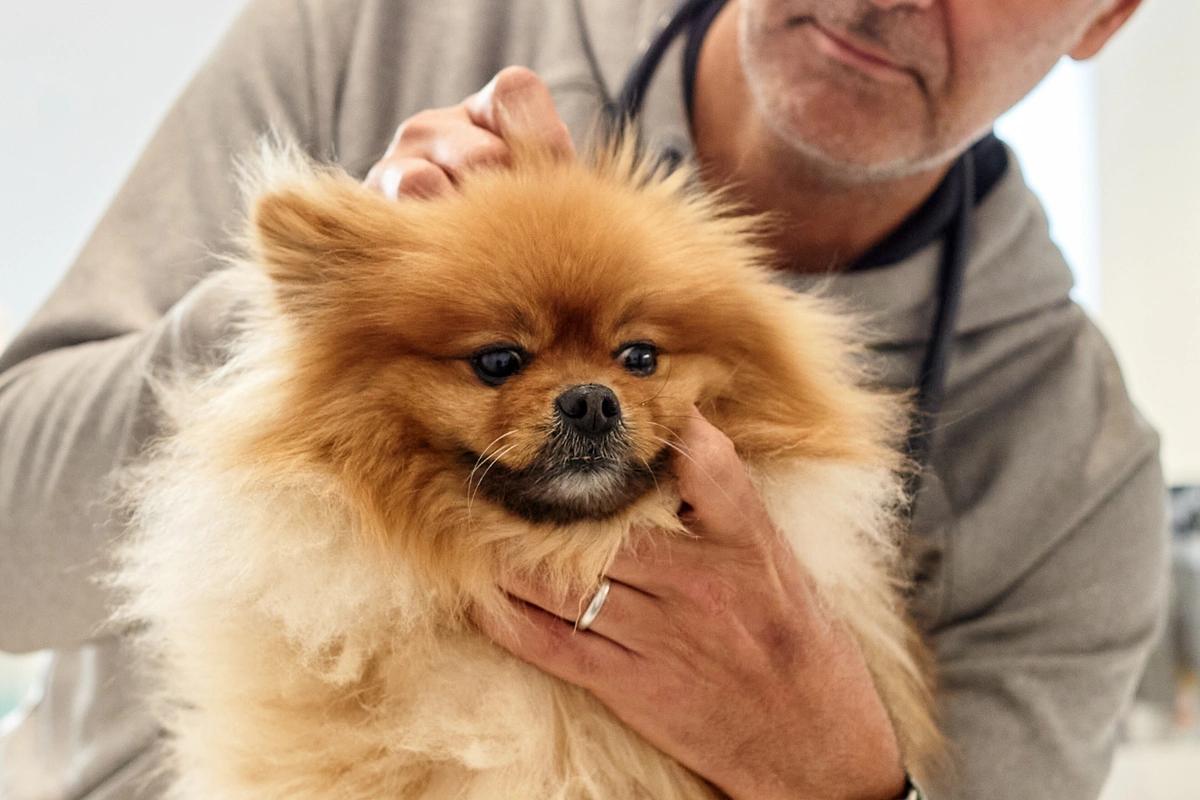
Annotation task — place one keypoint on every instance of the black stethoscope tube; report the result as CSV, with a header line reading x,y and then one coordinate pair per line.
x,y
952,275
931,380
629,102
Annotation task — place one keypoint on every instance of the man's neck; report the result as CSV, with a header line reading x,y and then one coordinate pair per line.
x,y
819,225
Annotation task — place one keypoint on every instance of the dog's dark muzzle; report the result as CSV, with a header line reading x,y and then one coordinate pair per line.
x,y
581,472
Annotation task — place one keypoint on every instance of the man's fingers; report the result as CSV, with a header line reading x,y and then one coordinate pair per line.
x,y
517,107
408,177
448,138
651,558
624,617
709,473
433,149
430,153
553,645
724,504
467,149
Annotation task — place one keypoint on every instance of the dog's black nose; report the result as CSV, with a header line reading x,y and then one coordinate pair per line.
x,y
590,409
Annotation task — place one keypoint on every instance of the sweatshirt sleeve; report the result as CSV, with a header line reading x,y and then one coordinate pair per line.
x,y
74,399
1033,687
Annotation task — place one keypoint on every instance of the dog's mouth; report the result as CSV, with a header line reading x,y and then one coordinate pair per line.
x,y
571,479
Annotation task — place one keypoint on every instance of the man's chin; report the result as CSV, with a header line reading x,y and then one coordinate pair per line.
x,y
839,163
824,138
831,149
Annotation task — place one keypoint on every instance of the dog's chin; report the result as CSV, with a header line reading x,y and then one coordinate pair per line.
x,y
572,490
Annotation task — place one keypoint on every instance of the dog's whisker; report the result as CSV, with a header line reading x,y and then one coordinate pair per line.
x,y
676,448
666,428
653,477
491,461
483,459
479,484
483,455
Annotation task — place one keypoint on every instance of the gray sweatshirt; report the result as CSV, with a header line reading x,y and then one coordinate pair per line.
x,y
1040,533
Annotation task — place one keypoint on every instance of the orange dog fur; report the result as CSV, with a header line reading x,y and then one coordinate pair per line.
x,y
309,538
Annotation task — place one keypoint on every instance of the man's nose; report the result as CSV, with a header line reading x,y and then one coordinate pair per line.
x,y
887,5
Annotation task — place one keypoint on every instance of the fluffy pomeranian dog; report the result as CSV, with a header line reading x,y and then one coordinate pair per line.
x,y
397,429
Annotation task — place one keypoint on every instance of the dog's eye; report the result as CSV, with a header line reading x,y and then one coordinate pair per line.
x,y
640,358
494,367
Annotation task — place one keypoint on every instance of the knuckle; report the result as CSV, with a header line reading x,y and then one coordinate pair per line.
x,y
710,593
421,127
493,153
516,81
420,177
487,154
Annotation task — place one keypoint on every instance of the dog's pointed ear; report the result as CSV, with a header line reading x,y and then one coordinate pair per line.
x,y
315,233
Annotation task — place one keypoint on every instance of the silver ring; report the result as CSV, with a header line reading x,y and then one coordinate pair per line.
x,y
594,607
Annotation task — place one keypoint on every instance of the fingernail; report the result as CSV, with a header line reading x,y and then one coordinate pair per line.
x,y
482,99
389,182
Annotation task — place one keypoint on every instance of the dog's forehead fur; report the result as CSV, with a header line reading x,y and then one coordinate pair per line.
x,y
573,256
547,256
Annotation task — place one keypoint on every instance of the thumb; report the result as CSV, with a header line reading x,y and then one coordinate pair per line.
x,y
722,503
517,106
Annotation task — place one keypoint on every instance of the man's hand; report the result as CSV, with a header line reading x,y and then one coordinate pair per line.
x,y
714,649
432,149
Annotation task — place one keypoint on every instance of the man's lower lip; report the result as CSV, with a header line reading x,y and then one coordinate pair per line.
x,y
831,46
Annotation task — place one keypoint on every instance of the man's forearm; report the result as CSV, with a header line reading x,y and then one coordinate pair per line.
x,y
69,418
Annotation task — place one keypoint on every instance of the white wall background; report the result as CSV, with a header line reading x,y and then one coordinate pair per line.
x,y
1149,158
83,86
1054,134
1114,149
